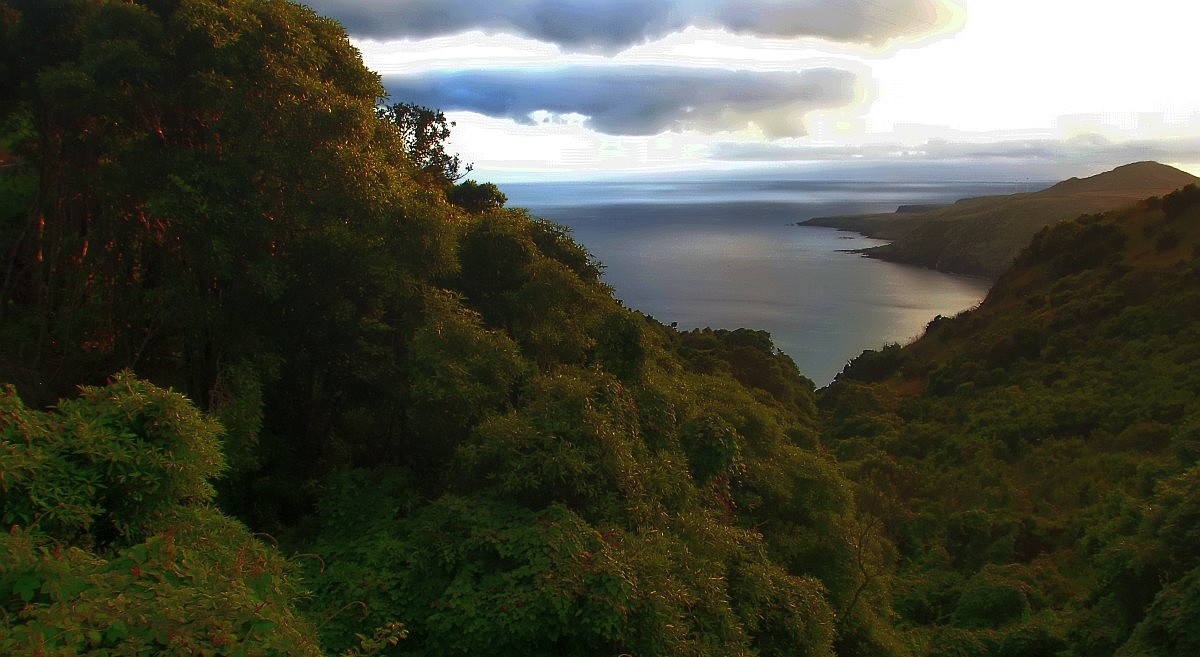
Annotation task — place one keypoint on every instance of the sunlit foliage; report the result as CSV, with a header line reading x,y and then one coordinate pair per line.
x,y
1029,459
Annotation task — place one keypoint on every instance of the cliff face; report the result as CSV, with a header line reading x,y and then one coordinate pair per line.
x,y
981,236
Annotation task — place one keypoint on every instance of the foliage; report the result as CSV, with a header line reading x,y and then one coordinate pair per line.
x,y
423,133
1033,460
466,372
990,599
439,400
871,365
107,465
112,548
476,198
479,577
1169,627
432,394
752,359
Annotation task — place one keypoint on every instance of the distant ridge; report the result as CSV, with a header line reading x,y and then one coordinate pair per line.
x,y
981,236
1136,176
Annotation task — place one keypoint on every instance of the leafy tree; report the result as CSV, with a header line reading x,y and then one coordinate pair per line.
x,y
476,198
170,204
108,465
462,374
423,134
1169,627
750,357
209,179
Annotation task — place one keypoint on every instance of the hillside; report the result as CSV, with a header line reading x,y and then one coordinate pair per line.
x,y
432,398
1035,460
981,236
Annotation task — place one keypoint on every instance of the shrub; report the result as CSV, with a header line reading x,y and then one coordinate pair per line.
x,y
107,465
991,600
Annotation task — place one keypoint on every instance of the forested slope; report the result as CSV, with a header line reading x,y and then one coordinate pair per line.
x,y
1034,461
433,399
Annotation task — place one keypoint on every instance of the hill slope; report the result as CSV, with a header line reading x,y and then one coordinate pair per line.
x,y
1035,460
981,236
436,399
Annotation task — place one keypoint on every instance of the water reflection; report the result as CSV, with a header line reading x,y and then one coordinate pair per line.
x,y
741,262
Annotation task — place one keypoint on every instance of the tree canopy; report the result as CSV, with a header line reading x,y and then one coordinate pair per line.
x,y
435,395
112,547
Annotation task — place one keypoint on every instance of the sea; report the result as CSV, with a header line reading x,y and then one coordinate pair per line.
x,y
725,251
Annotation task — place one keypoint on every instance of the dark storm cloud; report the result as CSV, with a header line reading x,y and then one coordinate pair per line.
x,y
613,25
636,100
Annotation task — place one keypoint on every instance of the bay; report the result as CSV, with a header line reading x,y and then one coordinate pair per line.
x,y
727,253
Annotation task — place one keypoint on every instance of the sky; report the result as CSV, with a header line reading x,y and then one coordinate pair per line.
x,y
985,88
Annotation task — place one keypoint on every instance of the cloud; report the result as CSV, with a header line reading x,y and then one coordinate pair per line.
x,y
861,21
1088,148
636,100
608,26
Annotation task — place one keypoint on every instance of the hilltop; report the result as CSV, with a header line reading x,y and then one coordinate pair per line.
x,y
981,236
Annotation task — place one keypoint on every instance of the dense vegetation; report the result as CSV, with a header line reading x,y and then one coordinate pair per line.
x,y
1035,461
112,546
467,446
432,396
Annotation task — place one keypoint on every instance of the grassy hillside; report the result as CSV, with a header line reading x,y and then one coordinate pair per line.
x,y
981,236
1035,460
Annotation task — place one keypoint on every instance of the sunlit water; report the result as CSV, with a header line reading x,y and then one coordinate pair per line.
x,y
727,254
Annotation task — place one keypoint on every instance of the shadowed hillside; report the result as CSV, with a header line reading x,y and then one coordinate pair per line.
x,y
432,397
981,236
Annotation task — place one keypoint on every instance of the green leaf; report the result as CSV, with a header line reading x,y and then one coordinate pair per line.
x,y
26,586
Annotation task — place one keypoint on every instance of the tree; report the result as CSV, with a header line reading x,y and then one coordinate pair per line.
x,y
423,133
476,198
199,182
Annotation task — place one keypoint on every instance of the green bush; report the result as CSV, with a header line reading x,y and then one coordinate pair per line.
x,y
990,600
1030,641
106,466
112,548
